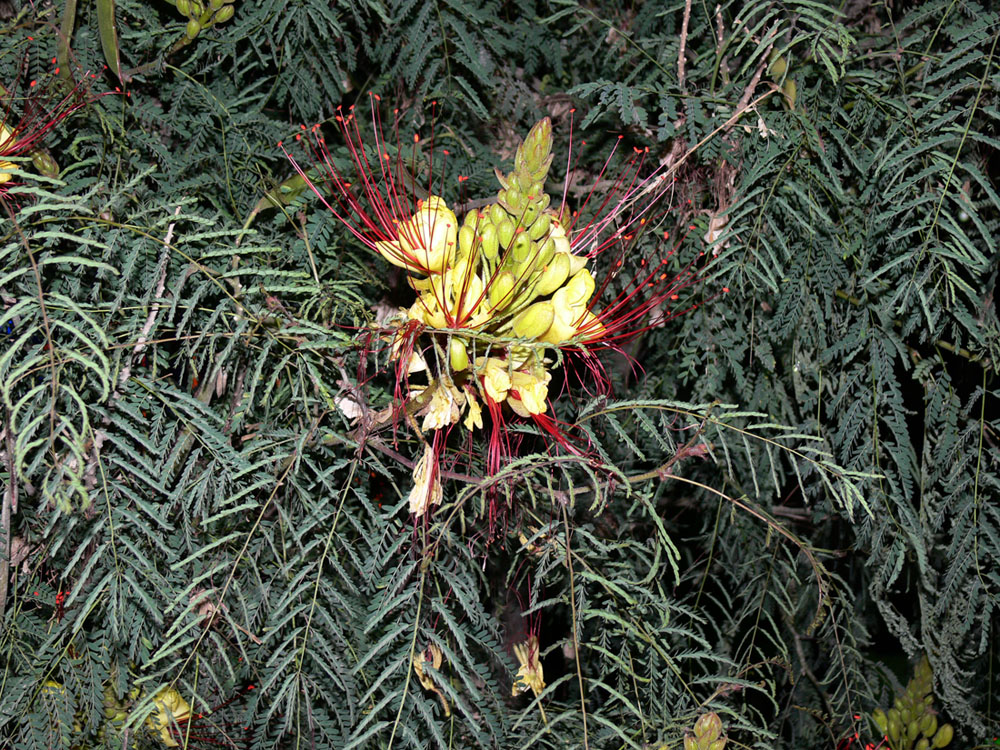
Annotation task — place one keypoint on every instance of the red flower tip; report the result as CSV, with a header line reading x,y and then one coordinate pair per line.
x,y
725,290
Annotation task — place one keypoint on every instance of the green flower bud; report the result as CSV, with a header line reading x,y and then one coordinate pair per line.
x,y
708,725
580,289
216,4
193,27
529,214
505,232
224,14
923,744
912,730
540,227
458,355
489,242
521,249
545,253
466,239
513,198
501,290
535,153
197,9
719,744
690,743
45,164
473,219
944,736
553,275
895,730
184,7
881,720
534,321
928,725
497,214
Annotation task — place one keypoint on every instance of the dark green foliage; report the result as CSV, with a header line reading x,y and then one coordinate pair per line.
x,y
792,492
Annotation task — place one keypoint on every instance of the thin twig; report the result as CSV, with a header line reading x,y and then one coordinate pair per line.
x,y
140,344
681,77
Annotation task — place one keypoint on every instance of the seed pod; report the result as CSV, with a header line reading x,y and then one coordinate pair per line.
x,y
489,243
944,736
225,13
553,275
535,321
193,27
458,355
505,233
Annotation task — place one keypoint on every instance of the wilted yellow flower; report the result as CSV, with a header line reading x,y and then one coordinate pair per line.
x,y
444,407
473,413
426,483
431,655
170,709
530,674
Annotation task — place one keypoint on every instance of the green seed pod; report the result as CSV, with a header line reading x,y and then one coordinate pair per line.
x,y
458,355
225,13
501,290
540,227
881,720
193,27
505,233
466,239
944,736
534,321
184,7
497,214
489,242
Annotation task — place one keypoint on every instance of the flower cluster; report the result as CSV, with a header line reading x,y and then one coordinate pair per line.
x,y
504,295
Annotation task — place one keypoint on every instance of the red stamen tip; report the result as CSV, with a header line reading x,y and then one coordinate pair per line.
x,y
725,290
416,138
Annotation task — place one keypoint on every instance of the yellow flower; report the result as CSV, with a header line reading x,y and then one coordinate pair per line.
x,y
473,413
426,483
5,136
496,380
170,709
427,241
533,391
530,674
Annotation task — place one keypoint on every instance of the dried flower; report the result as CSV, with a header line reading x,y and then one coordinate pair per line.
x,y
431,655
530,674
426,490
